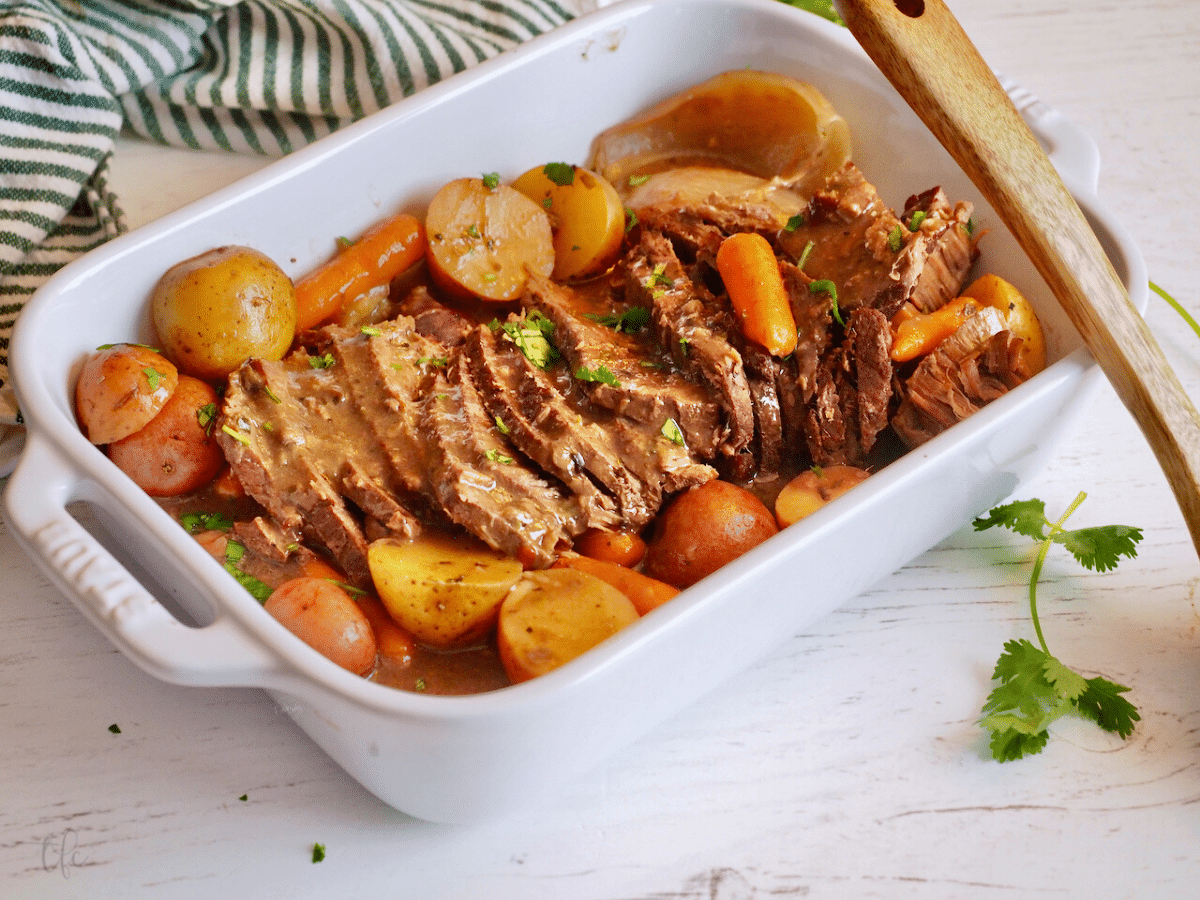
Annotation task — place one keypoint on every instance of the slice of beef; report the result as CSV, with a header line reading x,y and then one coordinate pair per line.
x,y
266,539
941,250
978,363
649,388
433,319
692,325
270,430
814,322
764,374
536,418
854,392
482,481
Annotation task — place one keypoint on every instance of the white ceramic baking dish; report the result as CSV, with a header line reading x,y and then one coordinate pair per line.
x,y
461,758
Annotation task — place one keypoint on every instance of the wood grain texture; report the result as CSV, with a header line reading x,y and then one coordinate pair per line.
x,y
845,765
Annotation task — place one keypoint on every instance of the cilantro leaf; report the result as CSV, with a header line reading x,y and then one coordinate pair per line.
x,y
1100,548
601,374
1102,702
532,335
631,320
1027,517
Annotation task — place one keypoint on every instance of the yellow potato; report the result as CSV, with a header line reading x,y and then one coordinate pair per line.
x,y
216,310
1022,321
553,616
810,490
587,217
484,241
445,592
120,389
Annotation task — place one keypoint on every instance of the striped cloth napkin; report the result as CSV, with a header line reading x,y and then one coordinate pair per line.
x,y
248,76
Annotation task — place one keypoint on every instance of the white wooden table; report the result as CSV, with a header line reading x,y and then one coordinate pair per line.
x,y
846,765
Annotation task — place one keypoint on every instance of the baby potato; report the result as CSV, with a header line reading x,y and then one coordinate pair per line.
x,y
175,453
444,592
216,310
484,241
1022,321
703,529
587,217
120,389
553,616
809,491
327,619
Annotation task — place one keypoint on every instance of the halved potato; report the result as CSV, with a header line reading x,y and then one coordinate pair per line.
x,y
484,241
587,217
446,592
553,616
765,124
122,387
812,489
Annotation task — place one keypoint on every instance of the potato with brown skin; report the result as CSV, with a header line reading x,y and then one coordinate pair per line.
x,y
810,490
327,619
175,453
703,529
484,241
216,310
120,389
552,616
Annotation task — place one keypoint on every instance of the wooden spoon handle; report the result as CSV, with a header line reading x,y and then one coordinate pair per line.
x,y
922,50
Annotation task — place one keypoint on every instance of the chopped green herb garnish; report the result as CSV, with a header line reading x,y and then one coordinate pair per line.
x,y
601,374
638,180
896,239
195,522
808,248
547,202
439,362
817,470
128,344
324,361
344,243
420,685
274,398
318,853
560,173
473,230
370,331
631,320
500,426
914,223
825,286
497,457
794,222
491,180
114,728
631,219
672,432
659,277
236,435
244,797
532,335
206,416
153,376
1034,688
490,277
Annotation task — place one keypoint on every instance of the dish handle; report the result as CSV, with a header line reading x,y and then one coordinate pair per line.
x,y
221,653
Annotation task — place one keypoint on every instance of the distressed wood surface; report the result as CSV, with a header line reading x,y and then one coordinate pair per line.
x,y
847,764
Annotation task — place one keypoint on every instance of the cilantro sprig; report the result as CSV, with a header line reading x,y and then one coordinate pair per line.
x,y
1033,688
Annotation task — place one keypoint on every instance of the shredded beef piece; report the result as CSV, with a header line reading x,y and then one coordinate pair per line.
x,y
692,326
941,251
972,367
854,390
433,319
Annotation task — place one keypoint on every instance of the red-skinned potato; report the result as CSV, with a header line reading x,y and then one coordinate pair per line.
x,y
120,389
174,453
703,529
327,619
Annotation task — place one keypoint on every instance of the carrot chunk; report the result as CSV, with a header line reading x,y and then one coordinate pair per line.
x,y
386,250
917,335
750,271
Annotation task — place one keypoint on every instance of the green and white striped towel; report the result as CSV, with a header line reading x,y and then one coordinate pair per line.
x,y
252,76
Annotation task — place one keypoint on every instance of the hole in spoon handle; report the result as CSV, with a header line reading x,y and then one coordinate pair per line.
x,y
910,8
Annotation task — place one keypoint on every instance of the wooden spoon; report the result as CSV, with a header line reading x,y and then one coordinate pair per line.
x,y
923,51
